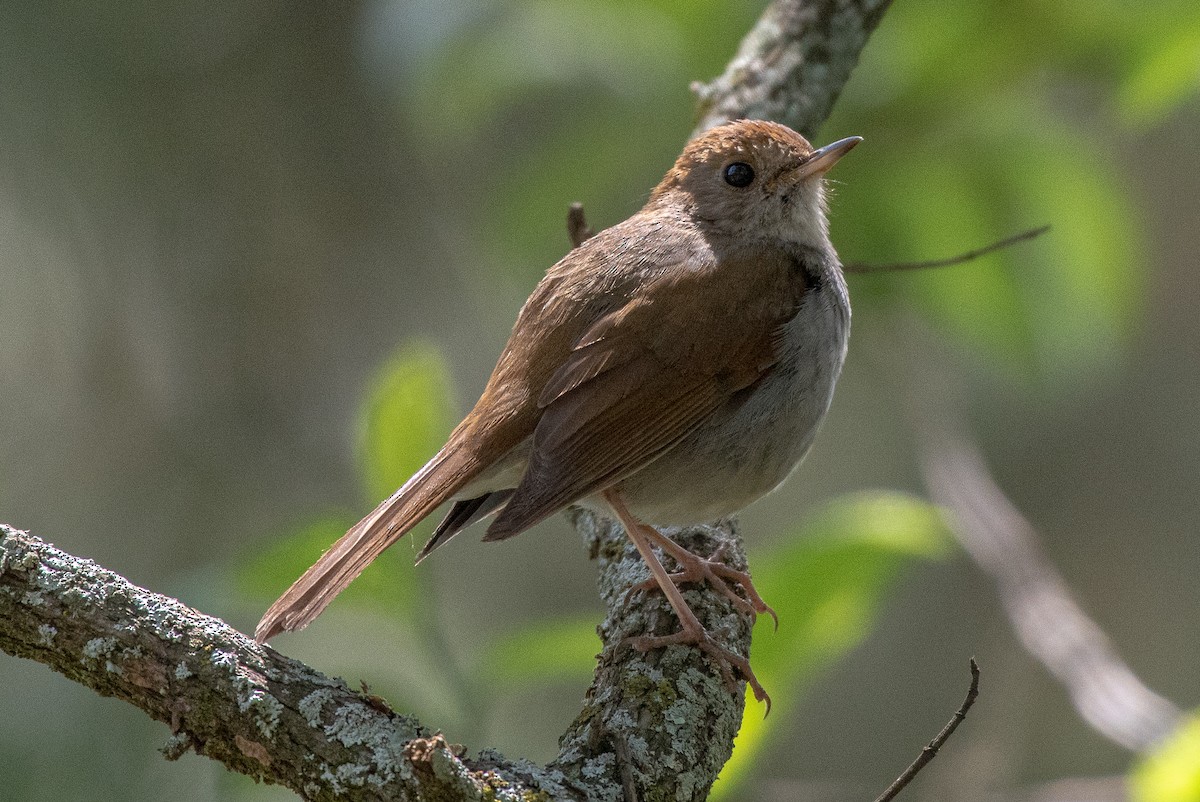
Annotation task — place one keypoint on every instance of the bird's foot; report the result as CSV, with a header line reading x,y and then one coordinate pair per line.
x,y
714,571
726,659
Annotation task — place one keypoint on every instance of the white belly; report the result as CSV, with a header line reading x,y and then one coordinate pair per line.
x,y
747,449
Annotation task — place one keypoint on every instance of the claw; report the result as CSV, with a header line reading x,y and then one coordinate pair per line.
x,y
725,659
710,570
713,570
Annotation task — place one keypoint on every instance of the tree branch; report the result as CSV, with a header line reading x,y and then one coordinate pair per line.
x,y
1051,625
663,718
245,705
792,65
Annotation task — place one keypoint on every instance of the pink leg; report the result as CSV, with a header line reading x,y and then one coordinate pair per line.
x,y
694,568
692,632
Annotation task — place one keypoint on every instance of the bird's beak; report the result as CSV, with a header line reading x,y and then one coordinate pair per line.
x,y
821,159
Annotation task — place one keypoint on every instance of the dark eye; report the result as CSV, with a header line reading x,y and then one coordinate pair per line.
x,y
738,174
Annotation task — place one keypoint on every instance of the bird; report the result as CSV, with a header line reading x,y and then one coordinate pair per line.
x,y
670,370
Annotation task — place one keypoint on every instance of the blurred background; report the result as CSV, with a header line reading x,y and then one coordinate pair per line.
x,y
255,258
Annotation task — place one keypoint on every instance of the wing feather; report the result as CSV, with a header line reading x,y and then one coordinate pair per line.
x,y
639,380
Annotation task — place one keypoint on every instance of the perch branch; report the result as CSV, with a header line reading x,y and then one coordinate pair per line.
x,y
245,705
279,721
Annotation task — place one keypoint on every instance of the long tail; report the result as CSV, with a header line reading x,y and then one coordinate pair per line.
x,y
345,560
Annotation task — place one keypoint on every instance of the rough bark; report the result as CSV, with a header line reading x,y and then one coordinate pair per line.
x,y
661,720
792,65
654,726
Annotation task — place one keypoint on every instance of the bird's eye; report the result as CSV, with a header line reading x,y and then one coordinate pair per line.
x,y
738,174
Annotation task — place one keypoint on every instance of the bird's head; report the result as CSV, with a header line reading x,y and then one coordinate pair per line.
x,y
755,179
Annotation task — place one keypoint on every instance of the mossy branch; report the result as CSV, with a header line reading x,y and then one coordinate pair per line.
x,y
661,720
793,64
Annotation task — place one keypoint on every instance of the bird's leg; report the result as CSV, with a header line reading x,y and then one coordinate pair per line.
x,y
691,632
711,569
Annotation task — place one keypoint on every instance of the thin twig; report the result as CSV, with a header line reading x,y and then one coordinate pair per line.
x,y
860,268
930,751
577,227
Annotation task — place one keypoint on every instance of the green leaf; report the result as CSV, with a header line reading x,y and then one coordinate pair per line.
x,y
563,648
1081,285
405,419
826,586
1168,75
1172,772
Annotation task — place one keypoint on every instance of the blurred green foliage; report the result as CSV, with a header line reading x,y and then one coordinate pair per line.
x,y
551,650
404,420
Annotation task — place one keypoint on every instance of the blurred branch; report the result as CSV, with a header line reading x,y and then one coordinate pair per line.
x,y
859,267
792,65
1105,691
931,750
577,226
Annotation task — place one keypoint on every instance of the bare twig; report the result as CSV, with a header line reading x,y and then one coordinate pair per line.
x,y
860,268
577,227
931,750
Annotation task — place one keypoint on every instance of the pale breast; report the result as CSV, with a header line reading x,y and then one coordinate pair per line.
x,y
747,448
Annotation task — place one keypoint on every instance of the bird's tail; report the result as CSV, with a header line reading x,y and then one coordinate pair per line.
x,y
345,560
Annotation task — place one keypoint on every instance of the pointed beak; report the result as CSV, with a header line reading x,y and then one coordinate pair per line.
x,y
821,159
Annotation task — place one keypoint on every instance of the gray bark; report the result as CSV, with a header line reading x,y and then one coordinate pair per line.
x,y
792,65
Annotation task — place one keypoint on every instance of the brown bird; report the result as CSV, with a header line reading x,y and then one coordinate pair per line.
x,y
672,369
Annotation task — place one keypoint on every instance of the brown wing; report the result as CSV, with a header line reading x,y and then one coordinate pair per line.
x,y
646,374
